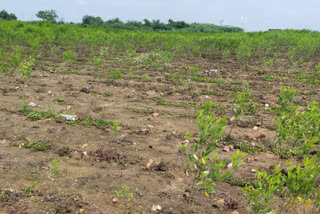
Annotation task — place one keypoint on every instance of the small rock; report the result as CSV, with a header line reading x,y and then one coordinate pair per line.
x,y
69,107
85,90
247,160
230,166
115,200
81,211
232,118
84,146
219,203
226,149
235,212
266,106
259,124
149,164
253,170
49,92
85,153
4,141
253,144
150,126
32,104
155,114
255,128
159,207
76,155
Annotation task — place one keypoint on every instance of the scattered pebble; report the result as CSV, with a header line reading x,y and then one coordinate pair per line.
x,y
253,170
115,200
4,141
155,114
149,164
32,104
255,128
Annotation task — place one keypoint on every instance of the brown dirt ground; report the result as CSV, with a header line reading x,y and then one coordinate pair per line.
x,y
85,185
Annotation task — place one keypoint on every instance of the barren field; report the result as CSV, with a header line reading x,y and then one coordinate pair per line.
x,y
154,108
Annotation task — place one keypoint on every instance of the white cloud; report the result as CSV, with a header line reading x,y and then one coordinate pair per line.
x,y
244,19
81,2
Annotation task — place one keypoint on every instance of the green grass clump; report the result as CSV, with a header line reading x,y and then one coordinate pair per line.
x,y
42,115
35,114
35,146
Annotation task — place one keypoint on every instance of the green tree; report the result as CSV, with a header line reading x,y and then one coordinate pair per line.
x,y
4,15
92,21
48,15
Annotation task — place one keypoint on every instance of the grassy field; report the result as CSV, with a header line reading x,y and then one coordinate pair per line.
x,y
96,120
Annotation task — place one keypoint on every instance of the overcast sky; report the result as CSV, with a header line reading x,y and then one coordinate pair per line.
x,y
252,15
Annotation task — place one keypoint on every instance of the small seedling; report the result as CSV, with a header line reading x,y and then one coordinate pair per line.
x,y
126,194
115,126
54,168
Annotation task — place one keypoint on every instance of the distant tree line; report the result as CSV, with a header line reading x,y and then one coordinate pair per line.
x,y
147,25
157,25
4,15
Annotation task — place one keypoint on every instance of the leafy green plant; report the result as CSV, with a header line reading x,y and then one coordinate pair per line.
x,y
300,183
126,194
116,75
194,70
68,56
115,126
241,104
203,160
25,68
145,78
287,95
297,131
35,146
29,191
54,168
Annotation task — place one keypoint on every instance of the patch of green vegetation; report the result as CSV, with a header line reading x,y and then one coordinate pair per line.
x,y
269,77
107,94
59,100
175,77
29,191
35,146
100,123
35,114
42,115
247,148
116,75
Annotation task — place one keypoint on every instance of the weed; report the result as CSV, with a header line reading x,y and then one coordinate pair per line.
x,y
25,68
29,191
68,56
144,78
107,94
194,70
126,194
59,100
300,183
54,168
35,146
116,75
115,126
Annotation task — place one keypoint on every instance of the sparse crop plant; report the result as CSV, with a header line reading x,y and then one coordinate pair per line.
x,y
203,162
299,184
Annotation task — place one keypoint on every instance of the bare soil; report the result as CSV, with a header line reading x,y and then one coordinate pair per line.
x,y
100,159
